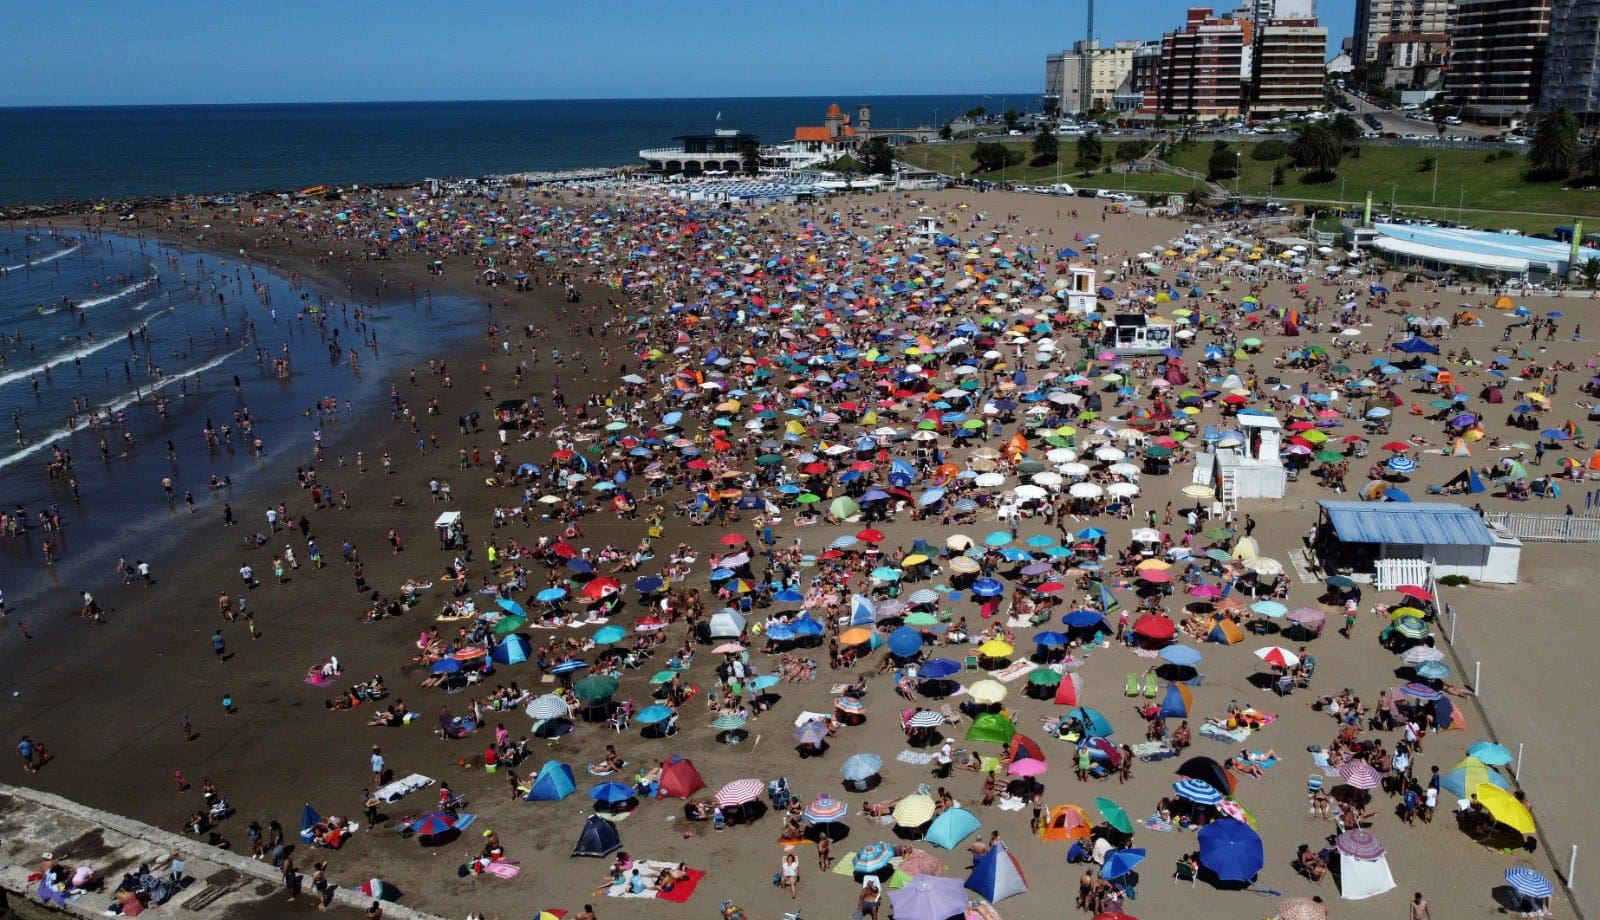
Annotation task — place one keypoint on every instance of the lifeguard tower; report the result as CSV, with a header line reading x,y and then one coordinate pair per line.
x,y
1247,463
1134,334
1080,290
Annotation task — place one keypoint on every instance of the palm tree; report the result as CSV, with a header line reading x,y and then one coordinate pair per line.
x,y
1345,128
1590,270
1554,150
1317,149
1589,162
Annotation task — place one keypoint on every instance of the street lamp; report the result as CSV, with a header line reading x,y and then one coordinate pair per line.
x,y
1394,188
1461,201
1238,170
1341,191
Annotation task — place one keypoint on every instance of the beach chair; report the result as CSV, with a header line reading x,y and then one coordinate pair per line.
x,y
778,791
1150,688
1183,872
619,721
1132,687
972,662
951,717
1313,784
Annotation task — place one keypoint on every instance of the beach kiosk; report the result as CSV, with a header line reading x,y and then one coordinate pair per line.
x,y
1135,334
1402,543
926,228
1247,463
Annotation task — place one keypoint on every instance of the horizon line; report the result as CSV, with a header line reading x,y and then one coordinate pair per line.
x,y
156,105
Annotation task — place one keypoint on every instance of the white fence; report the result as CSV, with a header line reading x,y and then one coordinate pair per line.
x,y
1548,528
1391,573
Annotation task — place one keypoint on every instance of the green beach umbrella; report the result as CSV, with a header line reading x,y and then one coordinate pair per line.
x,y
508,625
808,498
662,677
1329,456
595,688
1044,677
922,619
608,635
1158,452
1113,814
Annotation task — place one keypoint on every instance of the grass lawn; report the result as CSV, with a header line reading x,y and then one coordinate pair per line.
x,y
1488,191
956,158
1468,178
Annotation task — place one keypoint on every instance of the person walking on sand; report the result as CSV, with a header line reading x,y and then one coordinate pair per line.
x,y
377,766
1419,908
218,646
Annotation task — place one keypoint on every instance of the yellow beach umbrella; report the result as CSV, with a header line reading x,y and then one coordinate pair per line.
x,y
987,691
1504,807
994,648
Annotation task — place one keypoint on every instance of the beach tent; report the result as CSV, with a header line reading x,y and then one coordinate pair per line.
x,y
1093,722
599,838
1225,632
553,784
1177,702
1022,746
996,875
991,727
1070,691
679,779
513,649
1066,822
949,829
1363,867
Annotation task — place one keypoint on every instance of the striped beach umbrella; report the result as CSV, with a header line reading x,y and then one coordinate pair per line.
x,y
728,723
548,706
1401,464
925,718
1528,883
1360,775
1359,844
740,792
1197,791
826,809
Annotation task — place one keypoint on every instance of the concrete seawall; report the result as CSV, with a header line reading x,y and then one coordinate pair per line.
x,y
218,883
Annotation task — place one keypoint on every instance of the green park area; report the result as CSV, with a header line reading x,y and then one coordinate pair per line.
x,y
1487,189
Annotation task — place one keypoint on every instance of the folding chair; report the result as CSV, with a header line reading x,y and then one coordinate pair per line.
x,y
951,716
1150,688
1132,687
1183,872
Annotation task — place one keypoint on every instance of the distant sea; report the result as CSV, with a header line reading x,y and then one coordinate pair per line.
x,y
53,154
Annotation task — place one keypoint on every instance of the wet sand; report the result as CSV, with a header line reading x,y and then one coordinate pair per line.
x,y
108,704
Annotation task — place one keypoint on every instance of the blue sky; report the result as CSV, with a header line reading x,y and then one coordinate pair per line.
x,y
139,52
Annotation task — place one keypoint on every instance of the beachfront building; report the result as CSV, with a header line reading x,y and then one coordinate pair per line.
x,y
835,137
1203,66
1376,19
1496,57
1572,59
1502,255
1411,60
1288,68
1244,464
1406,543
1107,69
720,151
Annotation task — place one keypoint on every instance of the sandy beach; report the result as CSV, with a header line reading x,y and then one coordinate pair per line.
x,y
111,702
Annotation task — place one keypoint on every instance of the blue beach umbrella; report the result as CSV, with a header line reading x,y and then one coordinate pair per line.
x,y
1180,655
512,607
651,715
861,766
445,666
1528,883
1197,791
550,595
608,635
939,669
905,642
611,793
1120,862
1231,850
987,587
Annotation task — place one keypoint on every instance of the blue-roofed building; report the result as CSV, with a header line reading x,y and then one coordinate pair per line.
x,y
1393,543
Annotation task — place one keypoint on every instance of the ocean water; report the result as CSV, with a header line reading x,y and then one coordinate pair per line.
x,y
164,344
83,153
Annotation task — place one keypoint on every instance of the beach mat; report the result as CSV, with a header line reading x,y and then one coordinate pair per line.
x,y
683,891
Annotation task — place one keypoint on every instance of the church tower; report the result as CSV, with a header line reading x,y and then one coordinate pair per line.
x,y
834,122
863,119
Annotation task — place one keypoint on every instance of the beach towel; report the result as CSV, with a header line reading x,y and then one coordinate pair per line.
x,y
502,869
1320,758
1152,750
1015,671
915,757
1263,764
683,891
1218,733
1007,803
1154,823
319,680
400,788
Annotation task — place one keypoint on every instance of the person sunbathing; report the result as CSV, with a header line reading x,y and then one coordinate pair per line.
x,y
879,809
669,878
1243,766
394,715
1311,864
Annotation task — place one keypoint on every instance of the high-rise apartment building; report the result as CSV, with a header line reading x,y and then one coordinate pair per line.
x,y
1572,59
1378,18
1497,51
1289,67
1202,66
